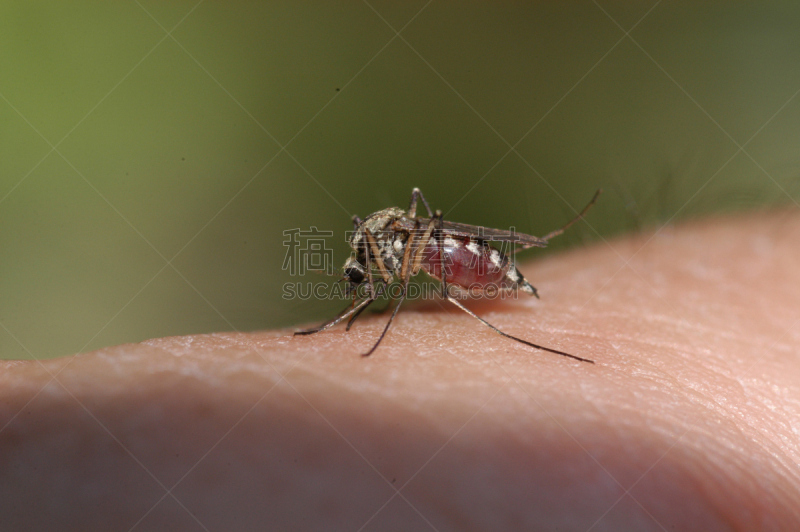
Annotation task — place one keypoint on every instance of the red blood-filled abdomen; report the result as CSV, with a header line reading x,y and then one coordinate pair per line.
x,y
468,264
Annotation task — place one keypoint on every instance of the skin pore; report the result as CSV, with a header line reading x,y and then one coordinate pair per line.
x,y
688,420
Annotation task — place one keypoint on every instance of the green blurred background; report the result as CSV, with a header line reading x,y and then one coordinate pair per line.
x,y
152,153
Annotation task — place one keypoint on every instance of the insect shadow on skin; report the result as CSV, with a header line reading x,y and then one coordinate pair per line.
x,y
397,245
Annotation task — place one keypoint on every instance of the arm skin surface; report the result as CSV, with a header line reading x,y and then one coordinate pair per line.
x,y
689,420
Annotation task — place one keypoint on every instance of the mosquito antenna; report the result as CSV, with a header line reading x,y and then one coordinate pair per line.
x,y
557,232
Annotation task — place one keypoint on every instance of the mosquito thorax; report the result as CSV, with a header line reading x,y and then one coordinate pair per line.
x,y
376,222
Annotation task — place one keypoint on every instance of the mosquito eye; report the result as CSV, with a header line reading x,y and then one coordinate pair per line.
x,y
354,275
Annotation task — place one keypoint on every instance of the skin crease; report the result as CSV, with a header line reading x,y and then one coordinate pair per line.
x,y
689,420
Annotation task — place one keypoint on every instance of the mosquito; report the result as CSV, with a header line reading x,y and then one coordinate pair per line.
x,y
397,245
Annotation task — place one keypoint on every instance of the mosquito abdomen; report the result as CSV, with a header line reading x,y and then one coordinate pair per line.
x,y
472,265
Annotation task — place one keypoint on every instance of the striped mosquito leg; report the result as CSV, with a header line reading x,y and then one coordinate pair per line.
x,y
376,256
440,246
422,243
412,246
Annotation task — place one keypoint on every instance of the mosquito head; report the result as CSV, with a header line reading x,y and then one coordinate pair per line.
x,y
354,271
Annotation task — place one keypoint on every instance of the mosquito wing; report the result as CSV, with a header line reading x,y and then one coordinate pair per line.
x,y
475,231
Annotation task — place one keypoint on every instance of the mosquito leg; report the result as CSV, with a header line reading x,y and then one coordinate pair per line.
x,y
557,232
352,308
422,243
355,316
412,247
394,313
339,317
377,256
495,329
368,261
440,245
412,208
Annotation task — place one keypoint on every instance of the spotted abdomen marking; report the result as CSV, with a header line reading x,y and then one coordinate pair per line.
x,y
474,265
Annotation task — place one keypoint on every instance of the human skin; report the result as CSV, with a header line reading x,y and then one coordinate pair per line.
x,y
688,420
